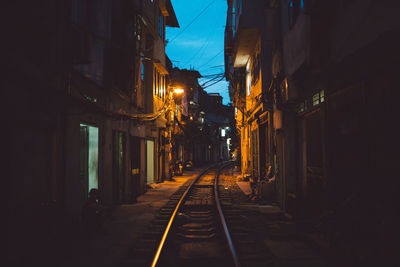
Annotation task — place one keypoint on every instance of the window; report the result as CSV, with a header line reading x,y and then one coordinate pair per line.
x,y
223,132
255,69
159,84
161,25
137,30
318,98
301,107
248,77
313,101
142,70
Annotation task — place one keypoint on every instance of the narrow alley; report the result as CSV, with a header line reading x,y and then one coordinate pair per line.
x,y
202,132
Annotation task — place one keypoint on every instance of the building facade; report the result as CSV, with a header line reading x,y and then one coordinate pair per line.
x,y
248,57
306,70
329,91
91,81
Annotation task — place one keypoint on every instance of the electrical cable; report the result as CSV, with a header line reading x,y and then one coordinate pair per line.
x,y
214,83
210,80
217,66
212,75
205,45
193,20
211,59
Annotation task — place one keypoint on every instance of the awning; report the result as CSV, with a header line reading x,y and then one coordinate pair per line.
x,y
161,69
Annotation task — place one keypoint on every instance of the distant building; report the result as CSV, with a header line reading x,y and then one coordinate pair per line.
x,y
218,120
202,122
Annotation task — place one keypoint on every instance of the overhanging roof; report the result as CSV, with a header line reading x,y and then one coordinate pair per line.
x,y
171,19
245,41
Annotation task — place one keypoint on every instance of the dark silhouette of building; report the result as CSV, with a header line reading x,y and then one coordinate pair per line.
x,y
86,82
330,97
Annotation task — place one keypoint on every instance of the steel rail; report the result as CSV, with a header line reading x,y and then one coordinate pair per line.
x,y
171,220
222,218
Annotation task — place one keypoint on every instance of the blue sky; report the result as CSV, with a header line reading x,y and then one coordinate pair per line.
x,y
199,44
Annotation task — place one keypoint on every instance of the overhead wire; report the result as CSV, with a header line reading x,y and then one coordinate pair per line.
x,y
220,80
193,20
204,46
217,66
201,54
211,59
211,80
212,75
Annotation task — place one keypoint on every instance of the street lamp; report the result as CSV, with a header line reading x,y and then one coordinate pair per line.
x,y
178,91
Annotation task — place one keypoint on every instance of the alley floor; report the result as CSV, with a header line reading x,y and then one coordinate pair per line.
x,y
126,224
284,244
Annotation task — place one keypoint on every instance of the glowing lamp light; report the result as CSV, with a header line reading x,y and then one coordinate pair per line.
x,y
178,91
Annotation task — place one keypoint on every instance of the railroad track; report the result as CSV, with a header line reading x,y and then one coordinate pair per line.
x,y
190,230
206,223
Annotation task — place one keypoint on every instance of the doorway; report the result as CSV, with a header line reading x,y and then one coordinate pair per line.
x,y
118,167
264,153
150,161
313,180
135,167
254,152
89,157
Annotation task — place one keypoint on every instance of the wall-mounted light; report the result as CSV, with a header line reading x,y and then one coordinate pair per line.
x,y
178,91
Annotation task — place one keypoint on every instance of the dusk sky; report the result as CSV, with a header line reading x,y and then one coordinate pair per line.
x,y
199,42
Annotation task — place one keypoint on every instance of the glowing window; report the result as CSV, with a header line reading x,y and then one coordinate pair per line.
x,y
315,99
300,108
322,96
318,98
248,77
